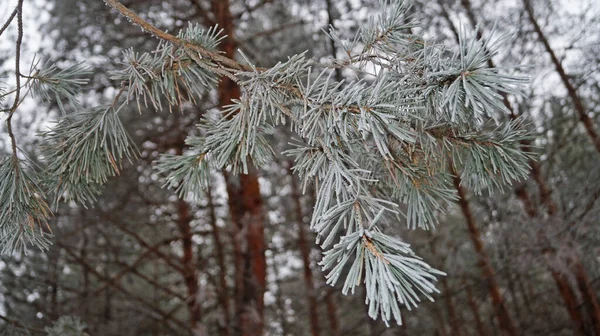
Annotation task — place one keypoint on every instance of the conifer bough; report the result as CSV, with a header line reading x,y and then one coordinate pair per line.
x,y
377,147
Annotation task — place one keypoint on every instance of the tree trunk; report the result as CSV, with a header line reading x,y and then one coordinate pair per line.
x,y
331,312
505,322
564,288
585,119
536,171
441,326
590,298
474,309
187,261
330,21
570,299
334,328
53,279
305,254
246,209
454,326
86,274
525,294
223,291
511,283
190,277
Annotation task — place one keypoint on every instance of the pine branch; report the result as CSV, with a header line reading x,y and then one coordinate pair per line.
x,y
222,62
367,145
12,110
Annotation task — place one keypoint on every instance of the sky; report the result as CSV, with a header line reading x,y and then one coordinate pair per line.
x,y
33,17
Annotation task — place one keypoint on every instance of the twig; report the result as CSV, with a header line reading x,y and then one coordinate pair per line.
x,y
7,23
225,63
19,12
17,324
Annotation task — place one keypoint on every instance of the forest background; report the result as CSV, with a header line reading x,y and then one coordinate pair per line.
x,y
143,262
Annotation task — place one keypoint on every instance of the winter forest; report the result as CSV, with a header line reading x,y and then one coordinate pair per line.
x,y
299,167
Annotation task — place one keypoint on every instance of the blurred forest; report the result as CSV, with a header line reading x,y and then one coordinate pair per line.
x,y
242,260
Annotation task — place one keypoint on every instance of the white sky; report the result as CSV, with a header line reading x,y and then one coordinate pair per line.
x,y
33,16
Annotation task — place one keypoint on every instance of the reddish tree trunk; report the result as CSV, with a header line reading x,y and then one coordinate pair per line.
x,y
223,288
238,245
590,298
536,171
331,312
441,329
190,277
305,254
570,299
585,119
86,274
454,326
474,309
187,261
246,209
564,288
505,322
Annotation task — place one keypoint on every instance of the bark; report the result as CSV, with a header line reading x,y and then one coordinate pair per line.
x,y
331,312
246,210
330,22
536,171
107,293
543,189
523,196
187,261
570,299
104,277
521,192
305,254
590,298
505,322
245,207
474,309
441,329
525,294
454,326
511,283
86,274
585,119
190,278
403,326
53,278
223,288
238,245
334,326
564,288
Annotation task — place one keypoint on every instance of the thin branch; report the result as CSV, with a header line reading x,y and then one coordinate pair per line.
x,y
13,141
16,324
585,119
7,23
222,62
77,259
331,22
